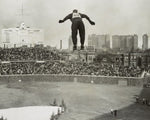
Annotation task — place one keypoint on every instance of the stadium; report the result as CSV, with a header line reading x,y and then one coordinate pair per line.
x,y
35,78
102,72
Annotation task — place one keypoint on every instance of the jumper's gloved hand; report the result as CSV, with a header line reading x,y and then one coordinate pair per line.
x,y
61,21
92,23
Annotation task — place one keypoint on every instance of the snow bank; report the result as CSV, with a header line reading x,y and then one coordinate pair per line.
x,y
29,113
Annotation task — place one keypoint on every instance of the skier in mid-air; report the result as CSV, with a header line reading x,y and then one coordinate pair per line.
x,y
77,24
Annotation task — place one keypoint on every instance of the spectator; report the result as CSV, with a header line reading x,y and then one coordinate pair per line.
x,y
23,61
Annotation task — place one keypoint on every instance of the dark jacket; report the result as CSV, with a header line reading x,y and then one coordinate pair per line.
x,y
76,17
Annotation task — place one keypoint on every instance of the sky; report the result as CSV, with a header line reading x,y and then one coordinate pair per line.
x,y
111,17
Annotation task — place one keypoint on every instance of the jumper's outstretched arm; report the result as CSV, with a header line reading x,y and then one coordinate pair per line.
x,y
90,21
66,18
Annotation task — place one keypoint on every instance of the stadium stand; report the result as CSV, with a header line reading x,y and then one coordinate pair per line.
x,y
36,60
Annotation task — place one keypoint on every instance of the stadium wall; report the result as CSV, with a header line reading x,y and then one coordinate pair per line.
x,y
126,81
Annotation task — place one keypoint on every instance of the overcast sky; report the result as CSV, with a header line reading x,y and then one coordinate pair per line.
x,y
111,17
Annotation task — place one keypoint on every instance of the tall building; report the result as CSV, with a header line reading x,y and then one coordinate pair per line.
x,y
129,43
125,42
148,40
116,42
145,42
107,41
21,36
70,44
93,40
135,41
99,41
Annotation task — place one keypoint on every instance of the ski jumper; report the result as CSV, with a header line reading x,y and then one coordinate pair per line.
x,y
77,25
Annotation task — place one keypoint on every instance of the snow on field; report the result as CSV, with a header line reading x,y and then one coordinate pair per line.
x,y
29,113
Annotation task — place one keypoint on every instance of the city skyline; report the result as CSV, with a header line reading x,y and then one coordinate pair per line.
x,y
113,17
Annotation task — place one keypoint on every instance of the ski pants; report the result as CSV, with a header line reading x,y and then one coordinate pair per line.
x,y
78,26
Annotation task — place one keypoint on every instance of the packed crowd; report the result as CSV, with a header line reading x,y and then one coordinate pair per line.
x,y
28,53
24,61
70,67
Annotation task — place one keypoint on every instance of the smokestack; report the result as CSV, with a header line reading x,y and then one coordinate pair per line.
x,y
61,44
14,45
